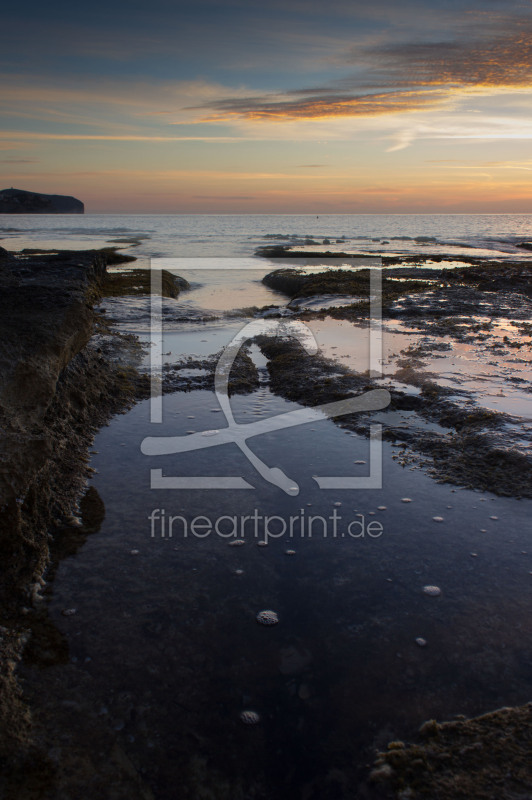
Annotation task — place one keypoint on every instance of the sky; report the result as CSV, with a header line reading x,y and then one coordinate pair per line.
x,y
302,106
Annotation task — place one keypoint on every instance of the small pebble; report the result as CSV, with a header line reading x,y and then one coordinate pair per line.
x,y
406,500
382,508
267,617
337,504
421,642
69,612
359,462
249,717
290,552
474,555
437,519
239,571
432,591
134,552
494,517
236,543
262,543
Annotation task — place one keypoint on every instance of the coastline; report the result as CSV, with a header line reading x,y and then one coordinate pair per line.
x,y
73,375
64,373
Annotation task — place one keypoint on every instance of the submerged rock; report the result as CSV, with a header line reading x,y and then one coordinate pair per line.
x,y
249,717
267,617
432,591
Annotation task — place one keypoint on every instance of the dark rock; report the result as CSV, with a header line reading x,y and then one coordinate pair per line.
x,y
462,758
18,201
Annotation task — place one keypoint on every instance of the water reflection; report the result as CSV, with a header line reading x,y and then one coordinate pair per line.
x,y
165,650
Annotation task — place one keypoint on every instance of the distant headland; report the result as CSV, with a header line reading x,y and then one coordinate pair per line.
x,y
18,201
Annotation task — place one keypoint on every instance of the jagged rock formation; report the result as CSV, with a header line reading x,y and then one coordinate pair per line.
x,y
18,201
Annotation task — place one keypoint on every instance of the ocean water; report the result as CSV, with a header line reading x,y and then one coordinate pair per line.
x,y
197,235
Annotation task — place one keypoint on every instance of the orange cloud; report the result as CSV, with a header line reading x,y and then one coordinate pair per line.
x,y
400,78
321,107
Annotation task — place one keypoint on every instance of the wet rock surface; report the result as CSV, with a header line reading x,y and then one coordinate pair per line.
x,y
483,757
134,282
473,447
62,375
193,373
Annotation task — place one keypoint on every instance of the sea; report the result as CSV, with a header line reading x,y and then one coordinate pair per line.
x,y
227,235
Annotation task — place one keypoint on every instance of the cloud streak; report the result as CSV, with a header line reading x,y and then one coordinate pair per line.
x,y
403,77
324,105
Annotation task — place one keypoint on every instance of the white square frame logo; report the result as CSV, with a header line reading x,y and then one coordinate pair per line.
x,y
237,433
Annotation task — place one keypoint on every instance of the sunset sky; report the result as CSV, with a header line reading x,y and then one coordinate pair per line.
x,y
275,107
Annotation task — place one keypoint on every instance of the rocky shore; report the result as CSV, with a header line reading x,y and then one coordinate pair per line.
x,y
467,759
471,446
63,373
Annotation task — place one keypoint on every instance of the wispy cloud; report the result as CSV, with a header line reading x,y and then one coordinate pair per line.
x,y
88,137
19,160
404,77
321,106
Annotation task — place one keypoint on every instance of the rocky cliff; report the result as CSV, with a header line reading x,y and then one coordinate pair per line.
x,y
17,201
